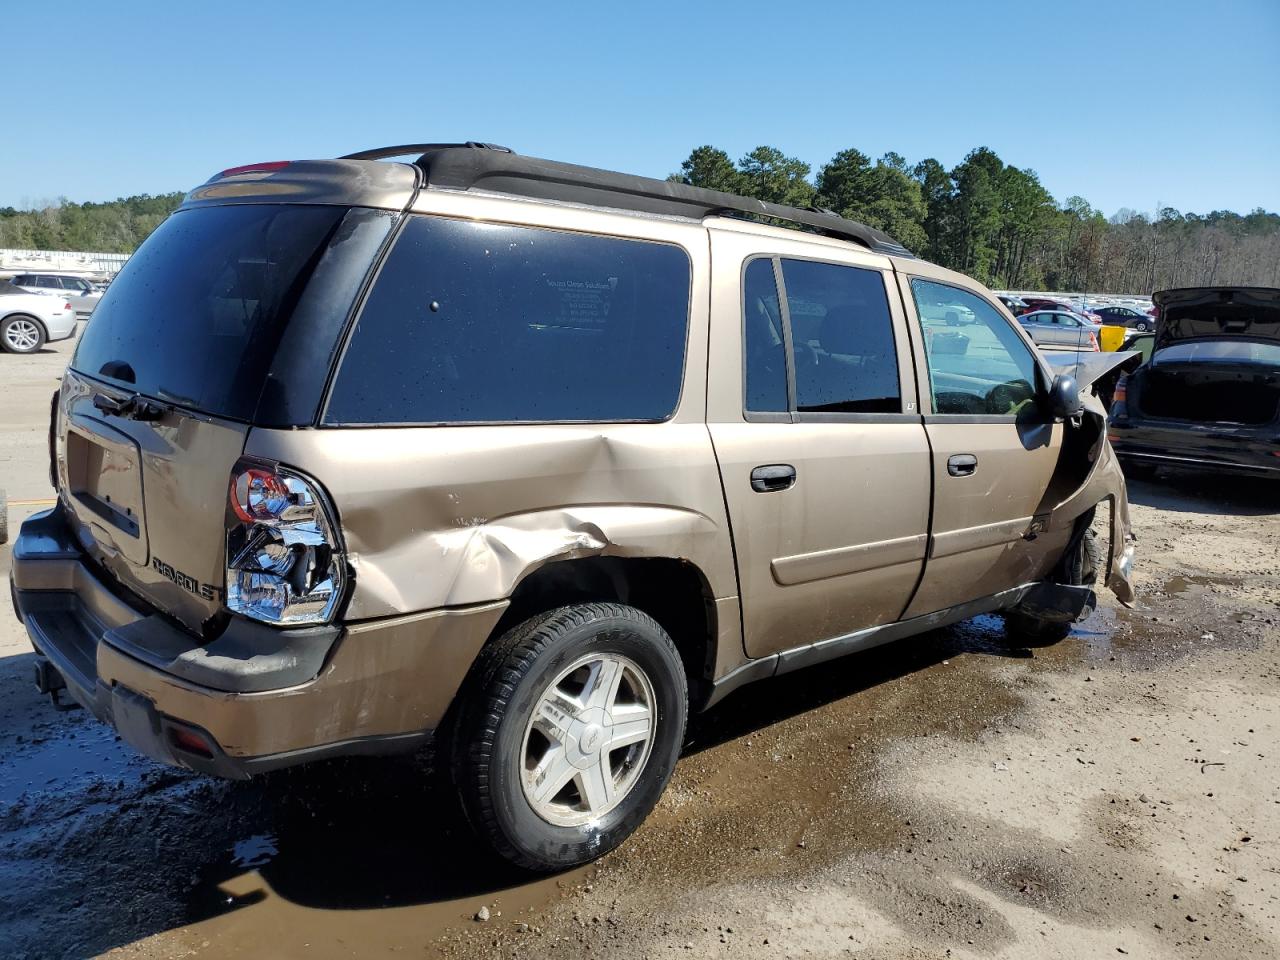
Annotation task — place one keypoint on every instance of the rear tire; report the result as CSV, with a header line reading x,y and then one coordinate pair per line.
x,y
20,333
1080,568
531,749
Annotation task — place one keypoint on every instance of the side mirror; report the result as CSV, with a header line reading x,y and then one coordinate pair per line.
x,y
1064,398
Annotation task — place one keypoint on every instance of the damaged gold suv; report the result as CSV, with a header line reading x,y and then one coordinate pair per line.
x,y
533,459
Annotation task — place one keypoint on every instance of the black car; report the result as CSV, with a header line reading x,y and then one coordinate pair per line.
x,y
1209,399
1126,317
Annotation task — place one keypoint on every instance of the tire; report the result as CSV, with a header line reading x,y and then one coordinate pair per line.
x,y
1141,326
20,333
499,749
1080,568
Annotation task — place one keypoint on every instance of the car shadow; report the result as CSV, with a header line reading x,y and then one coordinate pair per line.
x,y
90,826
1184,492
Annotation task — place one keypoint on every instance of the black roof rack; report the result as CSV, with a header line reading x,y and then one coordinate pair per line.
x,y
484,166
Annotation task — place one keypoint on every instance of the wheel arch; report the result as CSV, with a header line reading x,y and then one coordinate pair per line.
x,y
672,590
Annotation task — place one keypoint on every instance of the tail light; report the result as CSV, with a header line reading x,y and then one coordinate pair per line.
x,y
1093,341
67,305
285,563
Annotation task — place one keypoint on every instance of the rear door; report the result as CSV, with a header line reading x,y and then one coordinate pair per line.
x,y
994,452
813,413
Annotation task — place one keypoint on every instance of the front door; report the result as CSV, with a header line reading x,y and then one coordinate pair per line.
x,y
994,451
813,414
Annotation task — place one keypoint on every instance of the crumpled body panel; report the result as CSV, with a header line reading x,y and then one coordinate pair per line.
x,y
444,517
1105,481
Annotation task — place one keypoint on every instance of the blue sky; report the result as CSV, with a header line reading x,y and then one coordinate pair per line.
x,y
1124,103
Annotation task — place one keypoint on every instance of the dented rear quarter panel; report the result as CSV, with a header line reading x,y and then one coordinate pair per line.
x,y
450,516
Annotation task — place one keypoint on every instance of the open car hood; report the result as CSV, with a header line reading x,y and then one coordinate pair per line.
x,y
1217,313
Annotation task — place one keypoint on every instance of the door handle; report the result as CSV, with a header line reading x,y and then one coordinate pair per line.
x,y
962,465
773,476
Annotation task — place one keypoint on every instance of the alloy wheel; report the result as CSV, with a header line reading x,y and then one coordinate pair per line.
x,y
22,335
588,739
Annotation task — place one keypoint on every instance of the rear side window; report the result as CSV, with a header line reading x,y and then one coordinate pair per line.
x,y
842,337
486,323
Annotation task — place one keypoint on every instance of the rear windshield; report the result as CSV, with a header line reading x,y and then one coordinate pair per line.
x,y
1229,351
196,314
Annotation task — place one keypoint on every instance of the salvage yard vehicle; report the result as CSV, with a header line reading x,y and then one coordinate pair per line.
x,y
532,459
1209,398
30,320
1060,330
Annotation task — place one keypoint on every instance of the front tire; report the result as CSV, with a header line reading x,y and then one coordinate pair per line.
x,y
1080,568
569,734
21,334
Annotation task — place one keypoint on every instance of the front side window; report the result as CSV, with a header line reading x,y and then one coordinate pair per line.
x,y
983,368
488,323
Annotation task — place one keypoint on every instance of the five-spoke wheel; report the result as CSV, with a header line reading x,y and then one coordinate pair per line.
x,y
569,733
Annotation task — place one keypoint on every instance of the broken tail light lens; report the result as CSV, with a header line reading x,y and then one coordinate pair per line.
x,y
285,563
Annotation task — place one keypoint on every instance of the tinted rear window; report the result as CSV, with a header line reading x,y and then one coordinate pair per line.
x,y
196,314
487,323
1221,351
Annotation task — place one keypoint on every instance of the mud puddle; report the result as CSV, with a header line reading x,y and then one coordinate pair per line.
x,y
781,783
100,848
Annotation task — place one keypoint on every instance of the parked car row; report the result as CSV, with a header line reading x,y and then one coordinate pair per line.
x,y
82,292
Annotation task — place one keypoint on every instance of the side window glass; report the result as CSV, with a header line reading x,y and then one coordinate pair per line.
x,y
489,323
764,363
842,337
983,369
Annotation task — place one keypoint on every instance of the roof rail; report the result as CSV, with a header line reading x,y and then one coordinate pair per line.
x,y
483,166
405,149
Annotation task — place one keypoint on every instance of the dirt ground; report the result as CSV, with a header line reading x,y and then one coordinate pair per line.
x,y
1115,795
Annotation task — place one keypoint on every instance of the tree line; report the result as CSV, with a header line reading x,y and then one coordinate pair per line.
x,y
117,226
990,220
998,223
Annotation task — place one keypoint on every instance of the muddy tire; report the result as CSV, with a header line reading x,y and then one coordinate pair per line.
x,y
1081,568
569,734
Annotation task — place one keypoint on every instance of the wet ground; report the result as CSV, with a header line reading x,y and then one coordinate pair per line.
x,y
948,796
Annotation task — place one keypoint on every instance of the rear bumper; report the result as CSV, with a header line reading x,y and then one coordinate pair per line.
x,y
60,327
256,698
1243,451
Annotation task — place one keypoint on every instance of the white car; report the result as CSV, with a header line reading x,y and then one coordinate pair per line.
x,y
83,293
30,320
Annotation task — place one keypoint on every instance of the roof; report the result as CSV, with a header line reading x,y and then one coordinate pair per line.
x,y
483,166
